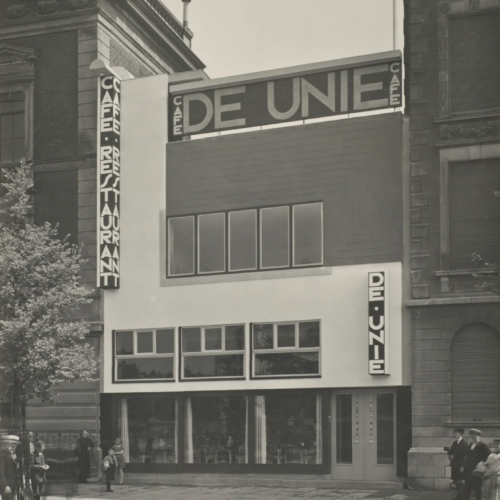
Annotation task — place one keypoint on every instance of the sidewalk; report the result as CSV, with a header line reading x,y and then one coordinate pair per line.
x,y
95,491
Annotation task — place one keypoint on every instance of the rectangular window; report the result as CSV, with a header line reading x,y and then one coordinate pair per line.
x,y
256,240
288,429
274,237
181,246
216,430
286,349
12,129
213,352
243,240
474,212
211,243
144,355
474,62
308,234
148,429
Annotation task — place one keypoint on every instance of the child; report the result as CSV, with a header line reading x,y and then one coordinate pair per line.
x,y
120,459
108,467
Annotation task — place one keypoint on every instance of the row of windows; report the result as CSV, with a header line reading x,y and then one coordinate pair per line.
x,y
289,349
246,240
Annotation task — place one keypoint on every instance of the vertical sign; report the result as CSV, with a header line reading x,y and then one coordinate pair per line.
x,y
377,332
109,183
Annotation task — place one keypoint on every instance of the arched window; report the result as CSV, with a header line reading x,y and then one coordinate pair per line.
x,y
475,374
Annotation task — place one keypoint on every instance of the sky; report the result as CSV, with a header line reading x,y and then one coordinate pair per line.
x,y
234,37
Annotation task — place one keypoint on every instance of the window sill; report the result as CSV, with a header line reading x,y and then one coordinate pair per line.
x,y
250,276
473,115
464,272
473,423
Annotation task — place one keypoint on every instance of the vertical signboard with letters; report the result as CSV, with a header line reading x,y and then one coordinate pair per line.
x,y
108,177
377,325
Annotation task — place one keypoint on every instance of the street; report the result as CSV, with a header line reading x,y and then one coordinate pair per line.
x,y
156,492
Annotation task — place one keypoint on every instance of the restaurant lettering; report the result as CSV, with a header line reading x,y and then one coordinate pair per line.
x,y
377,328
316,95
109,183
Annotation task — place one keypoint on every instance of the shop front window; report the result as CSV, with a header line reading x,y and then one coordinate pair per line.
x,y
288,429
148,429
216,430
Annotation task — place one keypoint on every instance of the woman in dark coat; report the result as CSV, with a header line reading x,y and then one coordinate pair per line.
x,y
84,447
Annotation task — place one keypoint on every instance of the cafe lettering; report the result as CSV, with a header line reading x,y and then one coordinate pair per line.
x,y
297,97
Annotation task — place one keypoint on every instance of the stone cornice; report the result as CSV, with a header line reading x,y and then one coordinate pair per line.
x,y
43,8
16,63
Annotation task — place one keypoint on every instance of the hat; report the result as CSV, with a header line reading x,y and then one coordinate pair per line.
x,y
10,439
459,429
475,431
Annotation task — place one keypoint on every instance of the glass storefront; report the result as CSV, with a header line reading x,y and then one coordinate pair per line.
x,y
284,430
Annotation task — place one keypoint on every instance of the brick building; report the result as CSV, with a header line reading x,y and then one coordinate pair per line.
x,y
453,100
48,108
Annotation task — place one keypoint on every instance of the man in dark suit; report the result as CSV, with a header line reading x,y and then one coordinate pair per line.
x,y
11,464
5,491
478,452
457,454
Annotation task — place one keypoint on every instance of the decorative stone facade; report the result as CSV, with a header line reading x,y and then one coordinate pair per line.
x,y
443,300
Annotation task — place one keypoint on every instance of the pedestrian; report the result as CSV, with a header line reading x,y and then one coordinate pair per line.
x,y
31,441
83,450
120,459
11,464
490,473
5,491
109,465
38,468
457,454
477,452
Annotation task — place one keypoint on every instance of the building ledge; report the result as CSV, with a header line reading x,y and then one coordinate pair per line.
x,y
451,301
471,116
473,423
250,276
464,272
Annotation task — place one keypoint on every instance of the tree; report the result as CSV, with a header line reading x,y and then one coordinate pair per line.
x,y
41,344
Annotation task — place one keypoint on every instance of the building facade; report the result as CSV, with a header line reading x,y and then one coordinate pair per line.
x,y
48,114
259,323
453,101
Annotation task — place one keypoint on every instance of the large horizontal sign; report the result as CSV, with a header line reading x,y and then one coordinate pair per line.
x,y
108,245
363,87
377,328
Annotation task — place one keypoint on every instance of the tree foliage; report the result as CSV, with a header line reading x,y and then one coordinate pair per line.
x,y
40,344
489,275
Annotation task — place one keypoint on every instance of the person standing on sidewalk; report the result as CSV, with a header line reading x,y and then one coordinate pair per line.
x,y
477,452
84,447
457,454
109,465
120,460
38,468
11,464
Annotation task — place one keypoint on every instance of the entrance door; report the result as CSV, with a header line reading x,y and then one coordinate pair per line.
x,y
364,434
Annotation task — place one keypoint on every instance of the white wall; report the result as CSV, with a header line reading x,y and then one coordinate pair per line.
x,y
339,299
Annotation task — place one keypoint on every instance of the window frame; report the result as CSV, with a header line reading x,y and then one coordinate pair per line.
x,y
227,241
198,248
211,352
447,157
293,235
143,355
256,216
281,350
169,238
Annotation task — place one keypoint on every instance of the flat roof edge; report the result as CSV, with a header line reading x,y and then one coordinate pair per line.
x,y
336,64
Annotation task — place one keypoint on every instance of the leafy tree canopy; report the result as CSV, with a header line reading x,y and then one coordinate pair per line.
x,y
40,344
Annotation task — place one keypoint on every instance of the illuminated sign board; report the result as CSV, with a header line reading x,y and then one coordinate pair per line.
x,y
108,244
377,326
363,85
